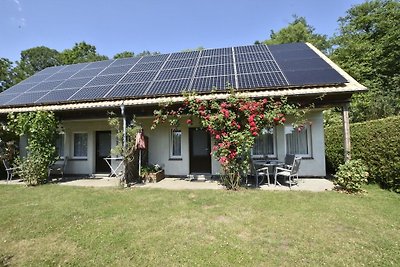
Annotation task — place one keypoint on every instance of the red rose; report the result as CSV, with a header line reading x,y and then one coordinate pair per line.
x,y
189,121
254,133
283,120
217,137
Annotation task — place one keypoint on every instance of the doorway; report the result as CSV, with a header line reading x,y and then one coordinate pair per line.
x,y
103,147
199,151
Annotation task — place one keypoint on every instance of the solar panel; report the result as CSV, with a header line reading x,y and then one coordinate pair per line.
x,y
184,63
261,80
129,89
125,61
45,86
87,73
212,83
252,66
74,67
257,67
99,64
74,83
60,76
169,87
4,99
184,55
172,74
214,70
216,52
51,70
314,77
147,66
57,95
26,98
251,49
215,60
36,78
116,70
145,76
19,88
254,57
93,92
157,58
104,80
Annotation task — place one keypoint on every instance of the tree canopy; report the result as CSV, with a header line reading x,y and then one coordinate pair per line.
x,y
80,52
368,48
35,59
6,74
298,31
124,54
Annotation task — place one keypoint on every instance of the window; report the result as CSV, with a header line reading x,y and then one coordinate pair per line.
x,y
298,142
80,145
60,145
264,144
176,144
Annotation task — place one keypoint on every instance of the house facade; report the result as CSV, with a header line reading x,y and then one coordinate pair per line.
x,y
81,96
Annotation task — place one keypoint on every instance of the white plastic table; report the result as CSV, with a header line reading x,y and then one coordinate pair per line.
x,y
109,163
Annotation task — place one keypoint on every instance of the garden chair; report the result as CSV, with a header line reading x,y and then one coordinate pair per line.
x,y
259,172
289,160
10,170
59,168
290,173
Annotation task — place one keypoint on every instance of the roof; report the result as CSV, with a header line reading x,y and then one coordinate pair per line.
x,y
255,71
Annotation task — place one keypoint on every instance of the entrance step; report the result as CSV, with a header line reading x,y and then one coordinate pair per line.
x,y
199,177
100,175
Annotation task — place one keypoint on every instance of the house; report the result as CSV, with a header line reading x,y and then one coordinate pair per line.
x,y
81,95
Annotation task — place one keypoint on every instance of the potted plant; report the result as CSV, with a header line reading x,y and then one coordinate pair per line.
x,y
152,173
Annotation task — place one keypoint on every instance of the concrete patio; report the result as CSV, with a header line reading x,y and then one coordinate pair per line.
x,y
306,184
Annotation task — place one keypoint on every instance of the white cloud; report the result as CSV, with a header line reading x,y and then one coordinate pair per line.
x,y
18,5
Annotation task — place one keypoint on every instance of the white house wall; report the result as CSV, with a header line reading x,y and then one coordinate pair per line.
x,y
159,146
84,166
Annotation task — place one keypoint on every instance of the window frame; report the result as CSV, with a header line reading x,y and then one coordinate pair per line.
x,y
63,145
307,127
274,147
171,144
73,145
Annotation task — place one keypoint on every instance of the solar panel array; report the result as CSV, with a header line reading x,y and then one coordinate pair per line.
x,y
244,67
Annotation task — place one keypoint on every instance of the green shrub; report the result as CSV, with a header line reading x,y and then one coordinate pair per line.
x,y
376,143
351,176
41,130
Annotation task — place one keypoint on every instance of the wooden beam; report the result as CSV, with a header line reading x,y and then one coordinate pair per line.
x,y
346,132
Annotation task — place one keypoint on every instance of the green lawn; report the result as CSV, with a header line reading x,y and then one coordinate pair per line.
x,y
59,225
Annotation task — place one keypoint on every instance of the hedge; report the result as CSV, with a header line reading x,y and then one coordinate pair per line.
x,y
375,142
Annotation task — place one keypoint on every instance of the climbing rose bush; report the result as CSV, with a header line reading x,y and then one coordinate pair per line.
x,y
233,123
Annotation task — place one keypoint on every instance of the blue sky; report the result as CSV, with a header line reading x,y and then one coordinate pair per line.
x,y
155,25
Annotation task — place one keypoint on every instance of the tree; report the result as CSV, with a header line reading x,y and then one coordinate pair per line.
x,y
147,53
81,52
41,130
35,59
298,31
368,48
6,74
124,54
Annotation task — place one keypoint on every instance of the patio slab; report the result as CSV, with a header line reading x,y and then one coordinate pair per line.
x,y
306,184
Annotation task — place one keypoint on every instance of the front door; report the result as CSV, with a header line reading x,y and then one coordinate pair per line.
x,y
200,148
103,147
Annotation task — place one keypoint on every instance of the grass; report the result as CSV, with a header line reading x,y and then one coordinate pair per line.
x,y
55,225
